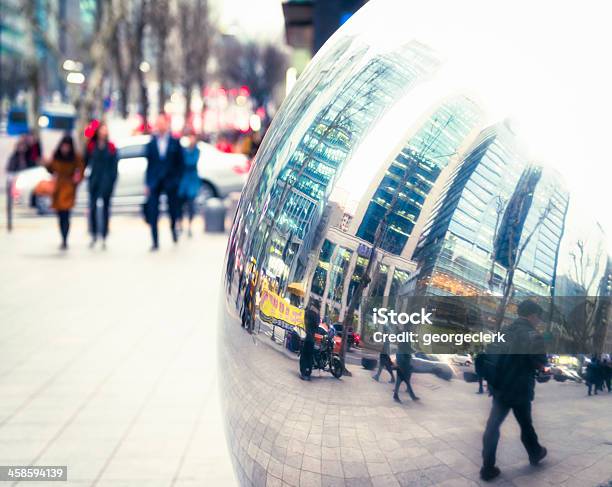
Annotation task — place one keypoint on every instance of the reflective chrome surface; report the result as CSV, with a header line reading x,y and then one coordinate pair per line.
x,y
438,148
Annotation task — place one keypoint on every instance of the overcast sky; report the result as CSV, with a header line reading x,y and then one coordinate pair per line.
x,y
256,19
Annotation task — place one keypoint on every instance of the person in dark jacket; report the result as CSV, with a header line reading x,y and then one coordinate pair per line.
x,y
404,371
593,375
478,366
190,182
311,320
513,387
101,158
606,367
384,359
19,160
34,151
165,168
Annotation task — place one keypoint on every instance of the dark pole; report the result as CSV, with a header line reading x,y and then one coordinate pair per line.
x,y
9,203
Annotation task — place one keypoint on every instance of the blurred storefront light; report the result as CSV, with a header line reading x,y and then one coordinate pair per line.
x,y
290,79
255,123
72,65
75,78
43,121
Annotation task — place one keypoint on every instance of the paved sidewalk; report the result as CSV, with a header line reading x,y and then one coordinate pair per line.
x,y
350,432
108,358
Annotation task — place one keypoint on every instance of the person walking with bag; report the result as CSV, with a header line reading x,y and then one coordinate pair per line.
x,y
164,172
67,167
101,158
190,182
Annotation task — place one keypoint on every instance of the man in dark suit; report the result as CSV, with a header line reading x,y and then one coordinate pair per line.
x,y
164,171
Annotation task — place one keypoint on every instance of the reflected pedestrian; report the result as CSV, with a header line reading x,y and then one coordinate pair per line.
x,y
384,359
404,371
311,320
513,387
67,167
593,376
606,367
101,158
164,172
190,182
478,367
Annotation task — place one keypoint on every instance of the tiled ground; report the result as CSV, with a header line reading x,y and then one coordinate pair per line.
x,y
349,432
108,358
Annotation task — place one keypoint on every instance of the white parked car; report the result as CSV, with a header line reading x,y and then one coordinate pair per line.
x,y
221,174
461,359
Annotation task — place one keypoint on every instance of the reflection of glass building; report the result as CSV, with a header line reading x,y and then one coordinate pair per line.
x,y
341,260
332,136
293,206
497,215
411,175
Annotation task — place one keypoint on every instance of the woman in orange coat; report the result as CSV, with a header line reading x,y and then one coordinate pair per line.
x,y
67,167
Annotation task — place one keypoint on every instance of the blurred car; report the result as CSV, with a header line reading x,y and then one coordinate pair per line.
x,y
220,173
561,373
428,363
461,359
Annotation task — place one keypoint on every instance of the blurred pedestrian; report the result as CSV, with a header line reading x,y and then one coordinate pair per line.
x,y
513,387
18,161
478,366
311,320
164,172
593,375
248,306
34,152
190,182
101,158
384,359
606,369
67,168
404,371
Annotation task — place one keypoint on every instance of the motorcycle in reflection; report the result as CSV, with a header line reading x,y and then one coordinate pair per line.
x,y
325,358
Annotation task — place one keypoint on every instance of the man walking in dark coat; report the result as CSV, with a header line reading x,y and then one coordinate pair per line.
x,y
164,172
513,387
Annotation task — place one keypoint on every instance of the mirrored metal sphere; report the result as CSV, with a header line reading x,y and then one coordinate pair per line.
x,y
431,149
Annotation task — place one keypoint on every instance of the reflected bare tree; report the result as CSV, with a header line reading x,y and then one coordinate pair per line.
x,y
516,245
381,229
581,325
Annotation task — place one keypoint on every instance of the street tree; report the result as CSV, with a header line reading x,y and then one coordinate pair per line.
x,y
195,32
109,15
127,48
261,67
161,20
